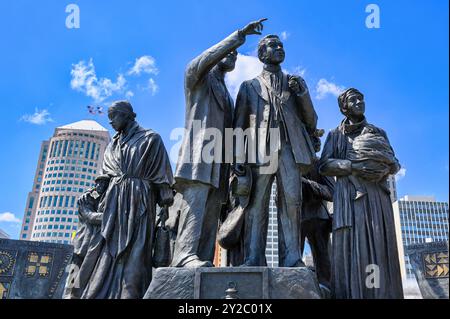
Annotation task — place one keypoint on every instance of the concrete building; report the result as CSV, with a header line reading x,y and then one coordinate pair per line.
x,y
67,166
272,230
418,219
392,188
30,208
3,235
220,256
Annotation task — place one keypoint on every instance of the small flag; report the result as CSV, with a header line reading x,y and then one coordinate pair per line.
x,y
100,110
91,109
95,110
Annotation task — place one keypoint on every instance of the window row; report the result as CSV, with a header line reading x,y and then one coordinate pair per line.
x,y
69,182
51,234
75,148
101,138
78,168
56,219
55,226
57,201
57,212
64,189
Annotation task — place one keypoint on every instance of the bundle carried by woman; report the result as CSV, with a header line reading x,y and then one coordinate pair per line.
x,y
371,155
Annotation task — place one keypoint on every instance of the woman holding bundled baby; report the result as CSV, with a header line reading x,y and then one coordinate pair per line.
x,y
365,257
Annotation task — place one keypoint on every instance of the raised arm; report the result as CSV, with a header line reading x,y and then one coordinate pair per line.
x,y
203,63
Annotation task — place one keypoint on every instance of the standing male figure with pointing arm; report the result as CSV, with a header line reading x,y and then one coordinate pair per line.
x,y
203,184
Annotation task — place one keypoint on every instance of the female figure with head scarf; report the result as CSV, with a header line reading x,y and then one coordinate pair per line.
x,y
140,178
365,257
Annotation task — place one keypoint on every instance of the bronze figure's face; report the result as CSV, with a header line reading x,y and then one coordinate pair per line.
x,y
271,51
101,186
118,120
228,63
354,106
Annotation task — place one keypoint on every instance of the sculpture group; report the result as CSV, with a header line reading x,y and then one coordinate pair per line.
x,y
224,196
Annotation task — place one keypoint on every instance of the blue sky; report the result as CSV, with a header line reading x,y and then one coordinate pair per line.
x,y
402,68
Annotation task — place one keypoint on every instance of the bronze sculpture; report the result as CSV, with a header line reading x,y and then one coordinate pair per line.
x,y
364,244
140,178
204,184
316,220
88,240
278,111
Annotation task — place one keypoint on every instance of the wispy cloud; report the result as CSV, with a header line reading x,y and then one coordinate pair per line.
x,y
129,94
325,88
401,174
144,64
152,86
284,35
298,70
247,67
8,217
84,79
39,117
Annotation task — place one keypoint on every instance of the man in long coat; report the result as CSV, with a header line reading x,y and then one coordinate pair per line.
x,y
202,178
278,111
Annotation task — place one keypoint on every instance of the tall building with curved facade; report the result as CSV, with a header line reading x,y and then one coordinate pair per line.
x,y
67,166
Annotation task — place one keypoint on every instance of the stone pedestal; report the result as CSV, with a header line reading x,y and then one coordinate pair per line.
x,y
430,264
233,283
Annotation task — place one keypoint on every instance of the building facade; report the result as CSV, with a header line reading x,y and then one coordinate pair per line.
x,y
272,230
33,195
3,235
392,184
67,166
418,219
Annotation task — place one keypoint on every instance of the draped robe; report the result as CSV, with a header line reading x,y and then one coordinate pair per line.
x,y
363,228
138,165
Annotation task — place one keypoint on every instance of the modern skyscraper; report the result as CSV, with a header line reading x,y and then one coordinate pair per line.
x,y
67,166
3,235
392,187
220,256
272,231
30,208
418,219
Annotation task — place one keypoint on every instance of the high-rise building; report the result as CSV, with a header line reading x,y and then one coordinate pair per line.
x,y
3,235
30,208
418,219
392,187
272,231
67,166
220,256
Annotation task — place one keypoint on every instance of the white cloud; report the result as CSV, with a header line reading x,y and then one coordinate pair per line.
x,y
284,35
39,117
144,64
298,70
247,67
129,94
152,86
84,79
324,88
401,174
8,217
